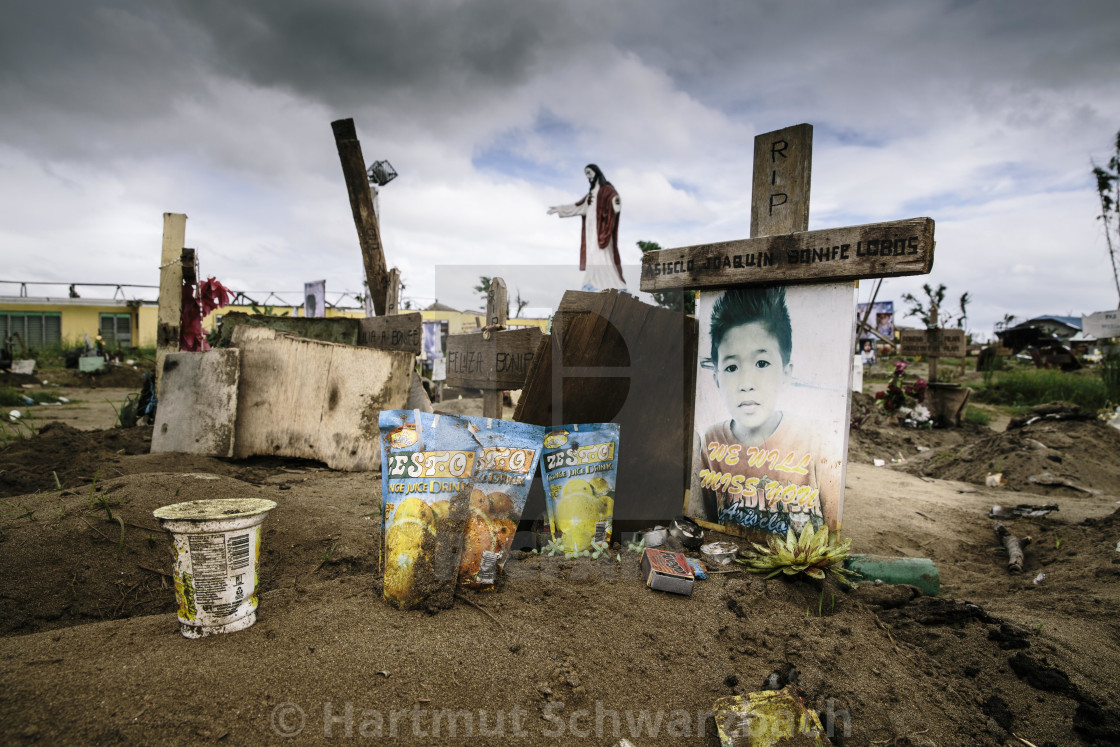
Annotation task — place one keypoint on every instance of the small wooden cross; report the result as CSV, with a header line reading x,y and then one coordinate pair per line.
x,y
495,359
933,343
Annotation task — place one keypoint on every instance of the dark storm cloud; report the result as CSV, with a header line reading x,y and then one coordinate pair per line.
x,y
828,57
113,64
330,50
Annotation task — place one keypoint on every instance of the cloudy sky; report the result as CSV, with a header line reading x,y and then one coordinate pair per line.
x,y
982,115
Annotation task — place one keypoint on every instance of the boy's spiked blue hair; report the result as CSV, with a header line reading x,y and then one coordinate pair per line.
x,y
765,305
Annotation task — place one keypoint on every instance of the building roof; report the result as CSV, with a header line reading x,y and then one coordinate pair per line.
x,y
65,301
1069,321
437,306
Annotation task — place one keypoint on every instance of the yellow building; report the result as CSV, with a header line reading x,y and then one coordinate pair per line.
x,y
465,322
64,322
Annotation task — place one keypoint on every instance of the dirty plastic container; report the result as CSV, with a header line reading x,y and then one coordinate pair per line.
x,y
217,547
920,572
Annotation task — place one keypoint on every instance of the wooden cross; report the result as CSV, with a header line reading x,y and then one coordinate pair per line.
x,y
933,343
495,360
781,251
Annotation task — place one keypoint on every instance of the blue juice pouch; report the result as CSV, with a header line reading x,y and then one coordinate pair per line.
x,y
508,454
427,467
580,467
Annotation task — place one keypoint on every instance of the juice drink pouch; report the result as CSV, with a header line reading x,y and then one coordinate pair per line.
x,y
508,453
580,467
427,463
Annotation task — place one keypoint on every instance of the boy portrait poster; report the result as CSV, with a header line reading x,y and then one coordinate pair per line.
x,y
772,408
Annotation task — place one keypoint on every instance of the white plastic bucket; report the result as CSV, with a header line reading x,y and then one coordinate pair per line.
x,y
217,546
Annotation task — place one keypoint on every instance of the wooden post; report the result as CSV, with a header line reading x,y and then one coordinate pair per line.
x,y
170,290
934,341
497,311
783,166
361,204
392,297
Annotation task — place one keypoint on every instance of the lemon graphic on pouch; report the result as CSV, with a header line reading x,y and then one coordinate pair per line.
x,y
414,508
602,490
399,570
576,485
404,541
576,515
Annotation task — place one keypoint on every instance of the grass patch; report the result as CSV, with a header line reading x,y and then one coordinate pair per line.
x,y
977,416
1026,388
19,397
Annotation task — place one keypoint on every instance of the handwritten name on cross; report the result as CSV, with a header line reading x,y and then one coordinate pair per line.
x,y
392,331
495,359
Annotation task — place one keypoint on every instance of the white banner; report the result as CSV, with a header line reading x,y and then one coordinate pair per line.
x,y
315,299
1101,324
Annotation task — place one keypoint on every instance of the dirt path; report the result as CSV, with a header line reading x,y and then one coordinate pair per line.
x,y
88,409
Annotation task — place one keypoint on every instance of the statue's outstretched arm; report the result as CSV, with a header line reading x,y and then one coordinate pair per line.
x,y
568,211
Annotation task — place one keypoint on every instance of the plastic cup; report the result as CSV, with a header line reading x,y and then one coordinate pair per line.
x,y
217,547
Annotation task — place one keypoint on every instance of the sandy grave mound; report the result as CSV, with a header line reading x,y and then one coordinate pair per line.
x,y
1056,450
89,648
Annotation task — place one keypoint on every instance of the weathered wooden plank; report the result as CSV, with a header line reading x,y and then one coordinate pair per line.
x,y
315,400
340,329
498,363
619,360
400,332
361,204
941,343
197,411
497,311
891,249
783,161
170,313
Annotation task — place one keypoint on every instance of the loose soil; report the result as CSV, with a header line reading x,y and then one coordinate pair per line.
x,y
572,652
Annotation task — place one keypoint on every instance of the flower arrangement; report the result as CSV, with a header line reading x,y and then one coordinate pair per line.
x,y
907,400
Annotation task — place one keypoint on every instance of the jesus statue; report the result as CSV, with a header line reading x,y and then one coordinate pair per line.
x,y
598,250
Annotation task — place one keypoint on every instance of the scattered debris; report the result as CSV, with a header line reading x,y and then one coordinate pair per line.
x,y
1014,546
920,573
698,569
687,532
1023,510
765,718
667,571
1047,479
719,553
